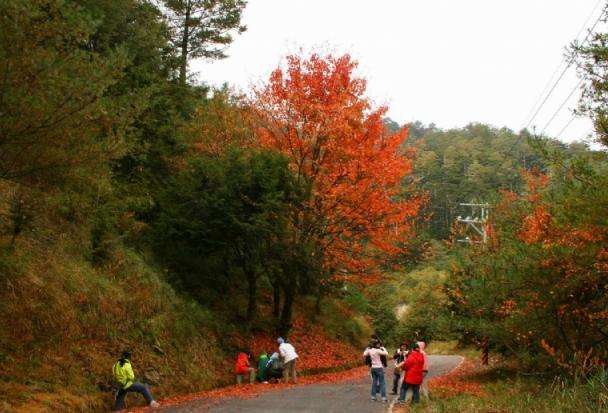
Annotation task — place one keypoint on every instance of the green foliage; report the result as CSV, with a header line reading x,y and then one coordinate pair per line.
x,y
424,316
227,220
469,164
526,395
591,58
538,291
56,116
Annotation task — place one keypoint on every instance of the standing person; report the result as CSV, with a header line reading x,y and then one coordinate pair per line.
x,y
375,352
262,362
242,368
289,356
424,387
413,366
125,378
398,358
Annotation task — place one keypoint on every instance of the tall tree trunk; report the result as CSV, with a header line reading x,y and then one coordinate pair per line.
x,y
485,351
276,300
318,299
252,282
183,67
286,313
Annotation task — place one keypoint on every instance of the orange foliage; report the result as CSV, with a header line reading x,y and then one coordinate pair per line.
x,y
460,380
536,226
314,111
315,350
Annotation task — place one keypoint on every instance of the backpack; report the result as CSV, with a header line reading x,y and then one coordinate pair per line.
x,y
274,364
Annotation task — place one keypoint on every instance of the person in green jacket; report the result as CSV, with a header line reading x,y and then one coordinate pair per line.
x,y
125,378
261,376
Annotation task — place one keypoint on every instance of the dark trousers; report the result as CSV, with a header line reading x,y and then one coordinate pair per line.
x,y
396,377
415,392
135,388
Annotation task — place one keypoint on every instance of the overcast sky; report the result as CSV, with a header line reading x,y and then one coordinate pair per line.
x,y
450,62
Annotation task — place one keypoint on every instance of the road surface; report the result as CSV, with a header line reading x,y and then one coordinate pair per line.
x,y
351,397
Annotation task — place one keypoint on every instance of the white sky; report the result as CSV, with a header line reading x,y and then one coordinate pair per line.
x,y
450,62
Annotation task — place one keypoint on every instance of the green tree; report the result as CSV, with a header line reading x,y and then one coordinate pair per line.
x,y
57,117
226,219
591,59
203,28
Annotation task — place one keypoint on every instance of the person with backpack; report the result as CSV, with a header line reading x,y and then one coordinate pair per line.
x,y
398,358
413,367
374,354
262,362
289,357
243,368
274,368
124,377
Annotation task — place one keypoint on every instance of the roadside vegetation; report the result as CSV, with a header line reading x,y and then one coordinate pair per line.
x,y
142,210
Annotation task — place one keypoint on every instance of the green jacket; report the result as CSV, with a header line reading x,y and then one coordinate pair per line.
x,y
123,374
262,367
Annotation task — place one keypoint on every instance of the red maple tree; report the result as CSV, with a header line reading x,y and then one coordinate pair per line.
x,y
314,111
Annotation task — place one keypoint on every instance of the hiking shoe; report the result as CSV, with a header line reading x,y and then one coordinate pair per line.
x,y
154,404
373,399
384,400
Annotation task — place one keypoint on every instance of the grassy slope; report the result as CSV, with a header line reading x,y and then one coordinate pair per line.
x,y
64,321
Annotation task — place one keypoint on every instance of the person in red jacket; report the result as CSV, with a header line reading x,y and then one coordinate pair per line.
x,y
414,374
243,368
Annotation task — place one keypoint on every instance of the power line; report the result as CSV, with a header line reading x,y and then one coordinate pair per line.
x,y
569,63
564,60
561,106
562,130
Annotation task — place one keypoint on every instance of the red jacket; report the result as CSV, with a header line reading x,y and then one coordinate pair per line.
x,y
242,364
414,365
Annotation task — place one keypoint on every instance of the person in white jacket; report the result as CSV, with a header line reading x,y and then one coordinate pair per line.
x,y
289,356
375,352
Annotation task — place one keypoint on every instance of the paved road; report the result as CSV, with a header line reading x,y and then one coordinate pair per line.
x,y
351,397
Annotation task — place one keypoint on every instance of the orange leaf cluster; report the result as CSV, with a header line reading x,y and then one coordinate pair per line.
x,y
460,380
315,350
314,111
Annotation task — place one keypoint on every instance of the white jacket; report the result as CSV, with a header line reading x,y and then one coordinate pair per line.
x,y
288,352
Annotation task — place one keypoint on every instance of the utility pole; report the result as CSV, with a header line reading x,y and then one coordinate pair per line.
x,y
476,221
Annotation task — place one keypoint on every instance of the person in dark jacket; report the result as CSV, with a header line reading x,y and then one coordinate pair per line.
x,y
262,362
414,374
398,358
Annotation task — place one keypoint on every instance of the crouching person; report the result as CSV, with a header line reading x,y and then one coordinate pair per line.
x,y
242,368
125,378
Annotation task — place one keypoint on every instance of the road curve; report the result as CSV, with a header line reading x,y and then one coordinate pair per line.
x,y
351,397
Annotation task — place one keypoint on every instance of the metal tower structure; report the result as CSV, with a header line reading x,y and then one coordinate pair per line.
x,y
475,222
